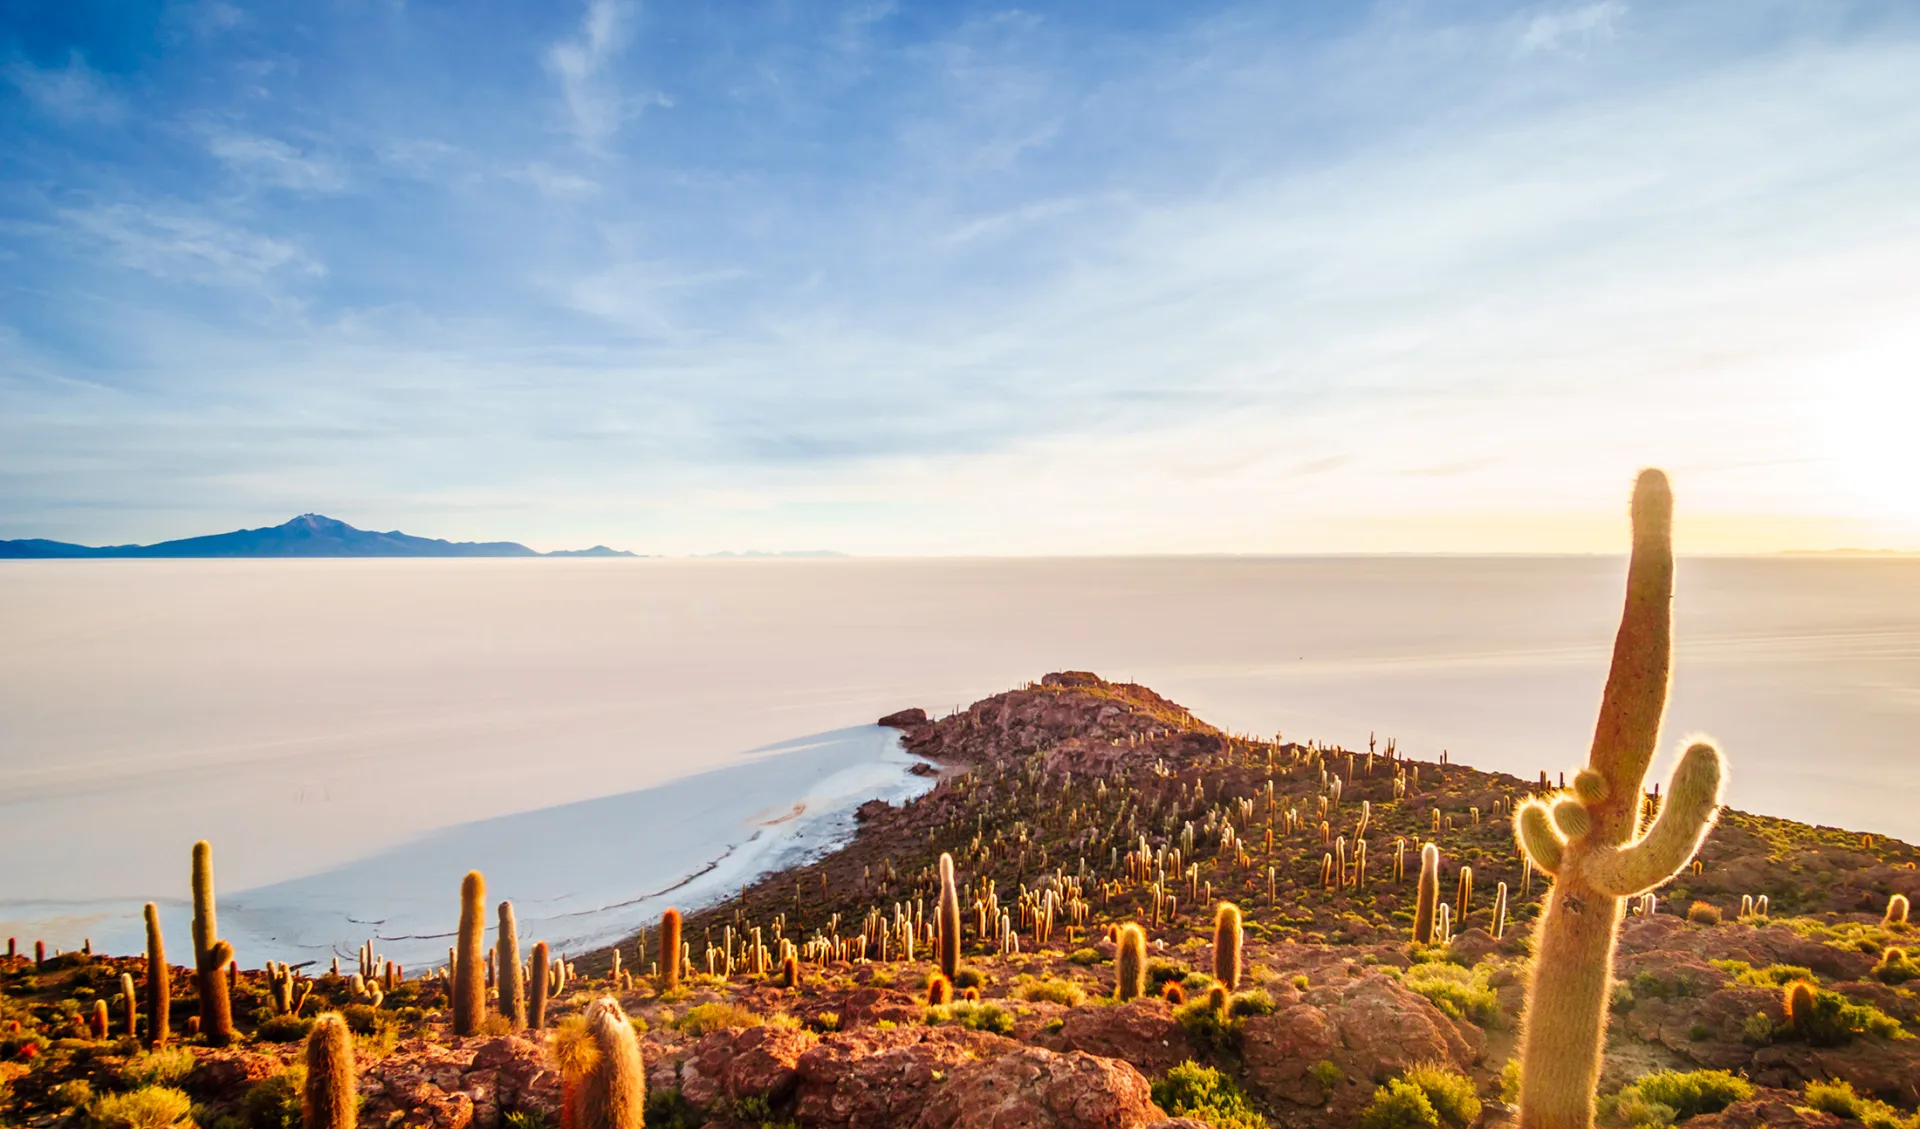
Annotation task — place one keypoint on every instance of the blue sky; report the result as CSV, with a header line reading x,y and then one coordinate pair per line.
x,y
958,278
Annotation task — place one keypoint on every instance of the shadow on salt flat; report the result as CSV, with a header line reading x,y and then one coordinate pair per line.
x,y
585,873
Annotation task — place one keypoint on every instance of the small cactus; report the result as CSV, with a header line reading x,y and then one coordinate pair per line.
x,y
539,980
1173,993
329,1100
1896,910
1227,940
1499,911
939,990
469,957
1130,963
670,950
613,1092
1798,1000
1217,998
129,1006
513,993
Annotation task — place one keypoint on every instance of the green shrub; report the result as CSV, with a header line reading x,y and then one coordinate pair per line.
x,y
1201,1092
1253,1001
703,1018
1462,993
1085,956
1064,992
167,1067
1326,1073
150,1107
1701,913
1835,1019
365,1019
274,1102
283,1029
968,978
1689,1094
667,1109
1207,1027
1510,1081
525,1119
1896,967
1161,971
76,1094
1757,1031
1837,1097
1449,1092
1400,1105
982,1016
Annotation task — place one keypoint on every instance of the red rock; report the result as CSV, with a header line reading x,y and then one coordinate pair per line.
x,y
875,1078
1142,1032
743,1063
228,1072
1770,1109
1034,1088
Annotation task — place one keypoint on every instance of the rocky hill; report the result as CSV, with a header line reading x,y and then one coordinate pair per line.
x,y
1070,807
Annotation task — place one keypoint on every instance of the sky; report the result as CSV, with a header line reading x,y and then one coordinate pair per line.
x,y
957,278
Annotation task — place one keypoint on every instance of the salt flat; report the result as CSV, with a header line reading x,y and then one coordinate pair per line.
x,y
352,735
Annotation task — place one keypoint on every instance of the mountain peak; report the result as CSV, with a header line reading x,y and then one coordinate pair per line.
x,y
307,535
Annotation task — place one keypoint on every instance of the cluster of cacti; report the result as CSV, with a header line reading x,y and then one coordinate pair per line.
x,y
288,989
1586,839
211,955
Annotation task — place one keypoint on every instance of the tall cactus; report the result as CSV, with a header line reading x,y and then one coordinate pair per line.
x,y
329,1100
1586,838
538,978
513,993
949,919
469,957
210,953
1428,897
670,950
1227,938
159,980
613,1093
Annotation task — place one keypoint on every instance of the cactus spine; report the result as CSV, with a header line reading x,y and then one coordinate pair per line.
x,y
670,950
469,957
159,981
210,953
949,919
613,1094
1585,839
1429,895
1227,938
329,1100
538,978
1130,963
513,991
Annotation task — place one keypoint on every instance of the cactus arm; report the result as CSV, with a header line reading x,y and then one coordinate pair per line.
x,y
1693,802
1636,693
1534,828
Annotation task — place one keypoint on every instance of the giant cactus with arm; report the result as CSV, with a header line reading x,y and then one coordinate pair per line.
x,y
1588,838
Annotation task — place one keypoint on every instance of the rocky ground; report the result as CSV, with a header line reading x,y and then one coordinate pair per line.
x,y
1048,791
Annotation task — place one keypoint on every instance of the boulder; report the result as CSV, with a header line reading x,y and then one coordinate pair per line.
x,y
881,1078
1034,1088
744,1063
1142,1032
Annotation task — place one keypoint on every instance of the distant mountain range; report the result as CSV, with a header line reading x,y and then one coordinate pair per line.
x,y
309,535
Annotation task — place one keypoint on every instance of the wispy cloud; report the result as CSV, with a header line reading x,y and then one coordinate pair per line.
x,y
177,246
73,93
597,105
274,163
1573,28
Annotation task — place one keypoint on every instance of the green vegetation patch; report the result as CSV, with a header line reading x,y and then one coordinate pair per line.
x,y
1203,1093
